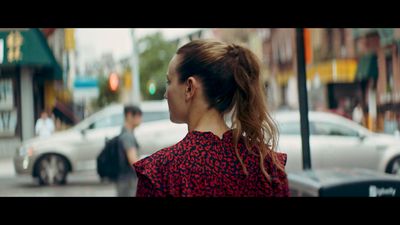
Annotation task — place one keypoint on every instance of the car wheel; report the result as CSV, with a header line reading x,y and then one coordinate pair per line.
x,y
394,166
52,169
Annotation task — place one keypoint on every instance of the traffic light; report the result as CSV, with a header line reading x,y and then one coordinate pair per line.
x,y
128,80
152,87
113,81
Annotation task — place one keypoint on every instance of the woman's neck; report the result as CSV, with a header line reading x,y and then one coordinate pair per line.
x,y
207,120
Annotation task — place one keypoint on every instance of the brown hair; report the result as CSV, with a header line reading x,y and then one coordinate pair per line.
x,y
235,71
134,110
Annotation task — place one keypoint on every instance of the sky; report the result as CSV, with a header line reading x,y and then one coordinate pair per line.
x,y
93,43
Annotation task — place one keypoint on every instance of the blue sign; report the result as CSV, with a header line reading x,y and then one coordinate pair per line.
x,y
86,82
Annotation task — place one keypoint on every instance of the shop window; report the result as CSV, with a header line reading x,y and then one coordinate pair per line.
x,y
8,111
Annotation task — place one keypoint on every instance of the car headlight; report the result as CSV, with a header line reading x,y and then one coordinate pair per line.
x,y
22,151
25,151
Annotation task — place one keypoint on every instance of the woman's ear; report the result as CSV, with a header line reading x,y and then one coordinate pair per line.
x,y
191,87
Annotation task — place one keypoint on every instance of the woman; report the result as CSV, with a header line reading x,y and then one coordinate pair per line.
x,y
206,80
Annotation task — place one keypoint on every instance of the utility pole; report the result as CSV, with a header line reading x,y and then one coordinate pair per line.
x,y
135,97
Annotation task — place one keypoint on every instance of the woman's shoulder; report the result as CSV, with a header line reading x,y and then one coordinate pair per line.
x,y
159,161
279,157
279,177
282,157
271,165
156,158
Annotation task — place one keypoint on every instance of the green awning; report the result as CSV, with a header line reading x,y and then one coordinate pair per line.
x,y
367,67
360,32
27,47
386,35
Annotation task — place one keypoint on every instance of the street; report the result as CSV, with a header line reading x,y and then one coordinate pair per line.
x,y
79,185
326,99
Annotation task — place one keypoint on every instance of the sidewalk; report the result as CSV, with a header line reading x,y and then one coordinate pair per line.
x,y
7,167
8,147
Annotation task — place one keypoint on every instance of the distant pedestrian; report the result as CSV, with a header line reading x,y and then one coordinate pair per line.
x,y
358,114
127,179
44,125
341,110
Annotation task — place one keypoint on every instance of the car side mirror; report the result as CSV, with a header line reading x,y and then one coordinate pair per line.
x,y
361,136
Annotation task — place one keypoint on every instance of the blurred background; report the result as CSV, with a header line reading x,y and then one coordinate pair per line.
x,y
82,77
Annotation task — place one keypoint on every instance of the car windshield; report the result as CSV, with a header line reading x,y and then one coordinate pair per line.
x,y
154,116
111,120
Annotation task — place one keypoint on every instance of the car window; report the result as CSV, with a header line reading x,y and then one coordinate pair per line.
x,y
118,119
289,128
330,129
154,116
108,121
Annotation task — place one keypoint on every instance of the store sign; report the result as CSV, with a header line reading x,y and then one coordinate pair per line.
x,y
14,43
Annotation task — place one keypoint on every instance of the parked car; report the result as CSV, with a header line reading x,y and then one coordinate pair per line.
x,y
337,142
76,149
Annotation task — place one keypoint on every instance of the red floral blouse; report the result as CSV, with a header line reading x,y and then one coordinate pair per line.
x,y
203,165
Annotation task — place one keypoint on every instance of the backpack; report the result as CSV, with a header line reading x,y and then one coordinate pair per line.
x,y
108,161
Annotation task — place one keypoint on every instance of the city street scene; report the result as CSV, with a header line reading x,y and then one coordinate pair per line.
x,y
334,94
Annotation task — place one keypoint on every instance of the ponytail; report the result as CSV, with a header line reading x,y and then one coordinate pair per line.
x,y
250,117
236,72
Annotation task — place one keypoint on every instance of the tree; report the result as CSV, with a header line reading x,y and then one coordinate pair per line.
x,y
155,53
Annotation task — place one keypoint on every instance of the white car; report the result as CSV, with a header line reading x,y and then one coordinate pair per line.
x,y
336,142
76,149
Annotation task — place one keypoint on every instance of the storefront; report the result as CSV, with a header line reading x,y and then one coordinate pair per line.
x,y
327,83
27,69
388,104
366,78
330,82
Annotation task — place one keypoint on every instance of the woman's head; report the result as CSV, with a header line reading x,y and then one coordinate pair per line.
x,y
227,77
209,66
